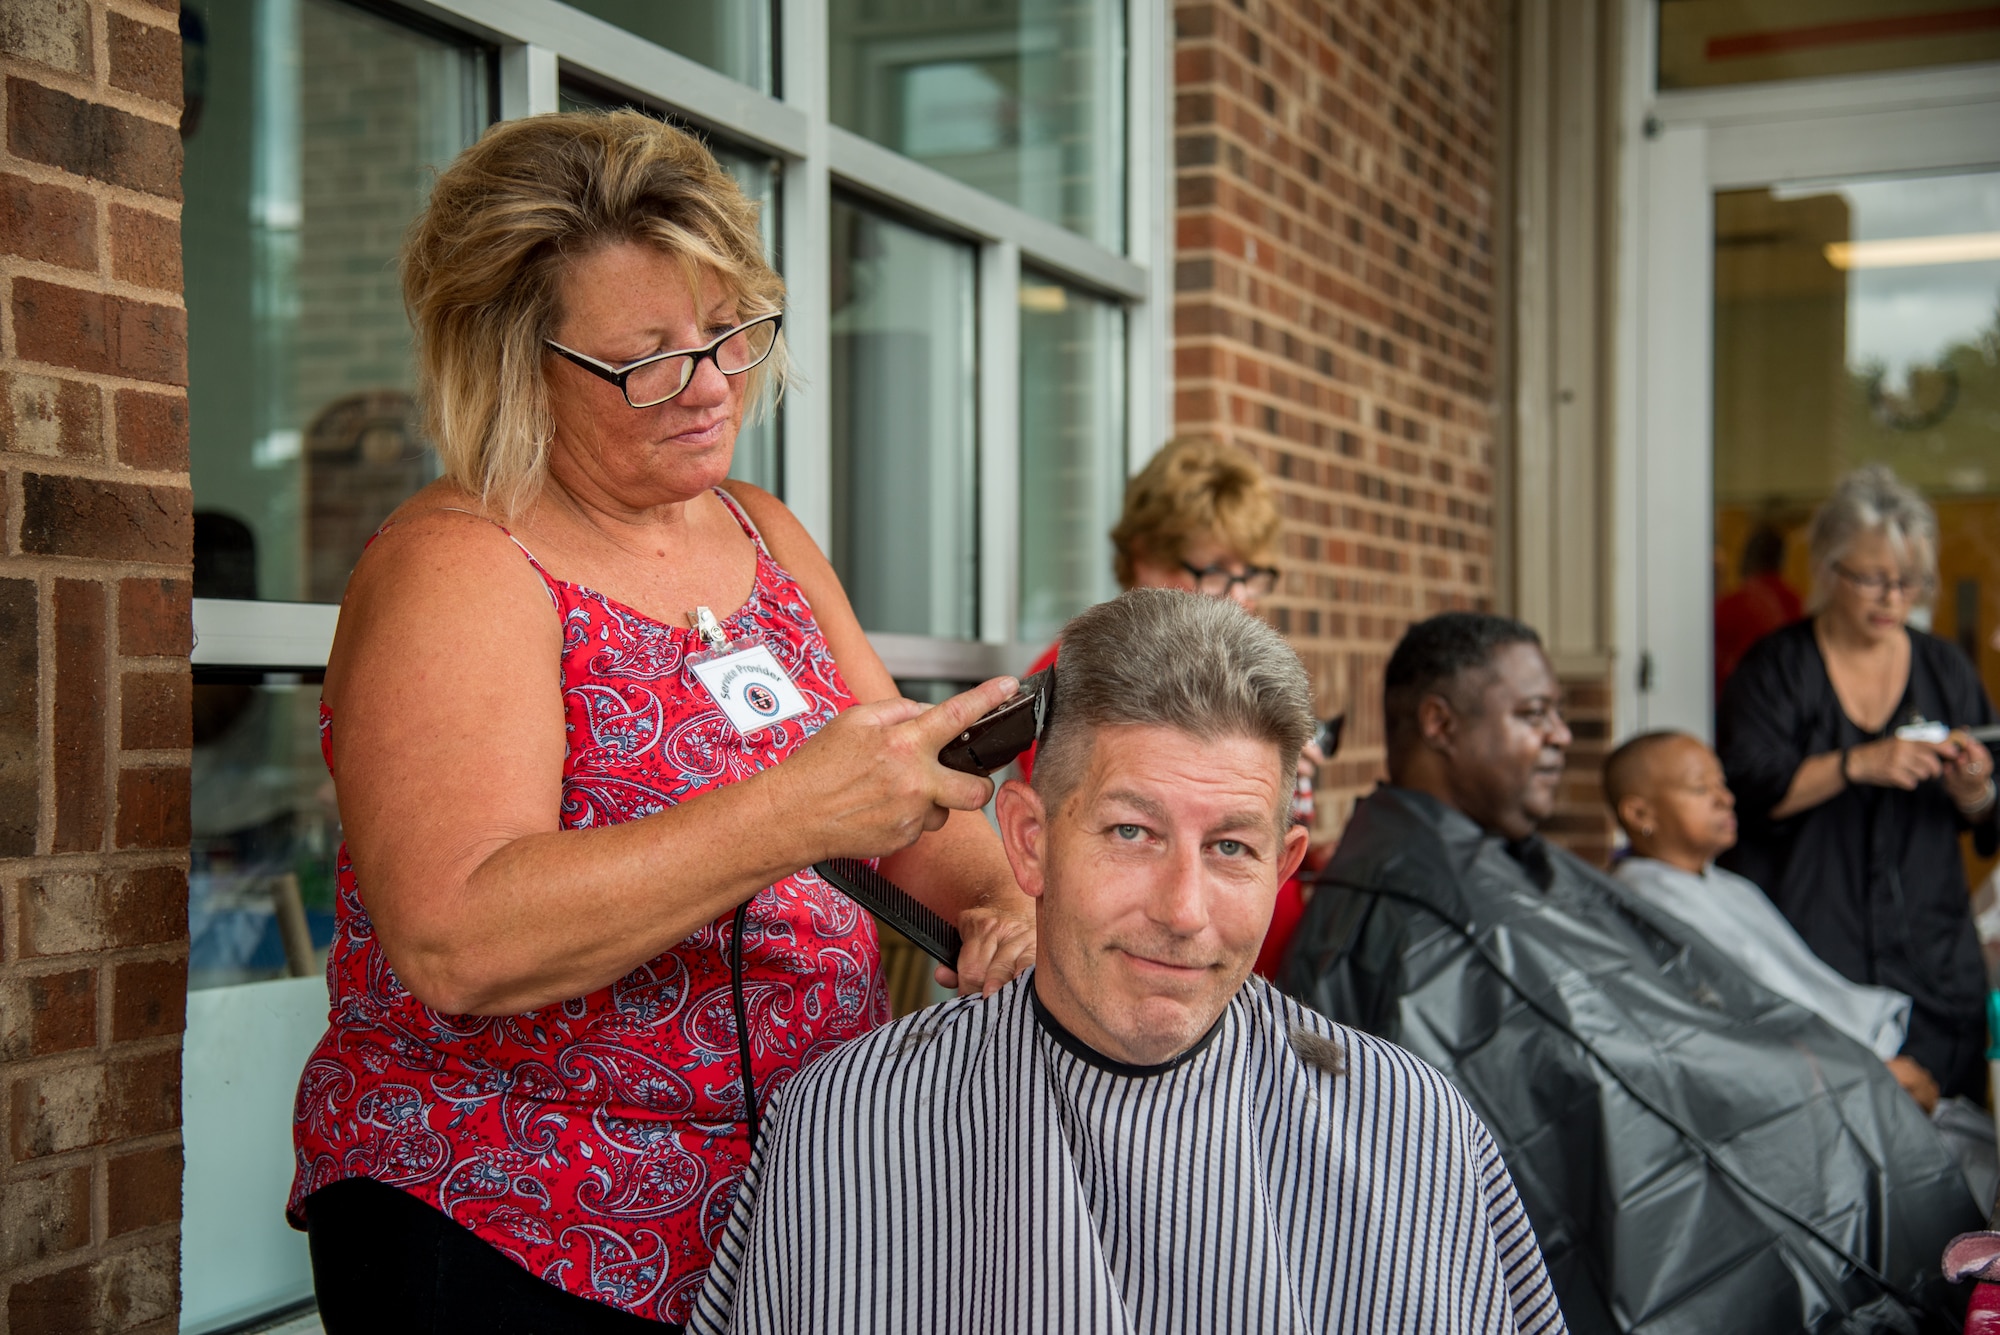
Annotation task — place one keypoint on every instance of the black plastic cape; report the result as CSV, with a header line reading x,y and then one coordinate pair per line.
x,y
1696,1153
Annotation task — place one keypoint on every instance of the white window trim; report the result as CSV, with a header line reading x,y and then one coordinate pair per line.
x,y
541,41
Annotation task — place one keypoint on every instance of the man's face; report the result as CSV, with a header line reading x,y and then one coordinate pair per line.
x,y
1505,747
1692,809
1155,880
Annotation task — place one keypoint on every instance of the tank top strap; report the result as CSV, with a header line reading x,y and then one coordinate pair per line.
x,y
749,525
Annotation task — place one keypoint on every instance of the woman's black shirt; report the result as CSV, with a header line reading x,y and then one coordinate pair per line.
x,y
1871,878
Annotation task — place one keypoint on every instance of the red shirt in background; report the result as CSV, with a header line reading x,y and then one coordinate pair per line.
x,y
1760,605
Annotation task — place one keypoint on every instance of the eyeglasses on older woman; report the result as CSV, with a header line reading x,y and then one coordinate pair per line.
x,y
653,380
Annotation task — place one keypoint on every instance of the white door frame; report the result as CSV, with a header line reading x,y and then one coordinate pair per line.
x,y
1683,147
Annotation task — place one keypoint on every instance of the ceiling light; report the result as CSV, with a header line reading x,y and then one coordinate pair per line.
x,y
1905,251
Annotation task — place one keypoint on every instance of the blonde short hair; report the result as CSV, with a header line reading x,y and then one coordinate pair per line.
x,y
1191,488
483,267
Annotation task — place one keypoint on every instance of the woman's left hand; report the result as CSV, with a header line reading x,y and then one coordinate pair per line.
x,y
1968,773
997,945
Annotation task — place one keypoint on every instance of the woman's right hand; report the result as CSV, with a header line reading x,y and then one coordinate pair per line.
x,y
1894,762
869,782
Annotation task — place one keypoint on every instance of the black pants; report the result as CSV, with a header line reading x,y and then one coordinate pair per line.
x,y
385,1263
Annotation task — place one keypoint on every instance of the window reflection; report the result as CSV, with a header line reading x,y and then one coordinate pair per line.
x,y
905,496
1023,99
731,37
301,176
1072,451
266,831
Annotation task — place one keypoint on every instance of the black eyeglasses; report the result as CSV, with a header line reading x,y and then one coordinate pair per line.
x,y
1217,581
1916,587
653,380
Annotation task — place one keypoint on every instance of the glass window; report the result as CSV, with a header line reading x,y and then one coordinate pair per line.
x,y
301,176
732,37
260,870
1705,43
905,496
1072,451
1857,322
757,459
1023,99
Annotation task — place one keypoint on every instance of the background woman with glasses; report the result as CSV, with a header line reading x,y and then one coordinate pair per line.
x,y
1200,516
1843,740
576,948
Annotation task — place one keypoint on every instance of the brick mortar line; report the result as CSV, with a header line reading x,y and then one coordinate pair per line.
x,y
152,665
151,15
80,1157
88,469
152,757
95,88
18,266
104,960
12,361
45,707
83,568
97,1250
113,862
54,1063
41,173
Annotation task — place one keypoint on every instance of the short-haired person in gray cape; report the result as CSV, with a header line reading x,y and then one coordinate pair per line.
x,y
1697,1153
1138,1135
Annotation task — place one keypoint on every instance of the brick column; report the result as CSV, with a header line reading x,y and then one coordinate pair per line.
x,y
1334,287
95,536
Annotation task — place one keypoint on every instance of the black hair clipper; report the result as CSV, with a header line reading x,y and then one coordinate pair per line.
x,y
1005,731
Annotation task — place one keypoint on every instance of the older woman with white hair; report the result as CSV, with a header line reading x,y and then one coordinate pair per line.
x,y
1843,738
593,712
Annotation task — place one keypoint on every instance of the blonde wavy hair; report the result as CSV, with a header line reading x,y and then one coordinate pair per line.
x,y
483,269
1193,488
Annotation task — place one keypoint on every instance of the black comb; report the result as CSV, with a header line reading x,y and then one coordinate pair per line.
x,y
894,905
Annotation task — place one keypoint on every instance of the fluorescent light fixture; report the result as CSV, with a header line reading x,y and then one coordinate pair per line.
x,y
1907,251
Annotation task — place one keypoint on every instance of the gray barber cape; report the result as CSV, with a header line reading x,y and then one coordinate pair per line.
x,y
1697,1153
973,1168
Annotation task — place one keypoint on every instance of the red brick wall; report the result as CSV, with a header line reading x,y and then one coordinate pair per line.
x,y
94,638
1336,167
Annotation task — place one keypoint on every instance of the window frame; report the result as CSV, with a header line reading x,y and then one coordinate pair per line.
x,y
543,44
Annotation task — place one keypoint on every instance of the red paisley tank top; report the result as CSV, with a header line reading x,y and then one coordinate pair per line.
x,y
599,1142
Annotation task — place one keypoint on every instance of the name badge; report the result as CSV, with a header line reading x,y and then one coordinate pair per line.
x,y
745,680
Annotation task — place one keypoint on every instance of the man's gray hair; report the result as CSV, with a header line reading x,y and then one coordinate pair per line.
x,y
1202,666
1866,500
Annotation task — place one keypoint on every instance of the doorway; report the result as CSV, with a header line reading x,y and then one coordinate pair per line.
x,y
1814,286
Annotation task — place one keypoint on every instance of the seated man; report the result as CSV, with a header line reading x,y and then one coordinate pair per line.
x,y
1137,1135
1696,1153
1668,794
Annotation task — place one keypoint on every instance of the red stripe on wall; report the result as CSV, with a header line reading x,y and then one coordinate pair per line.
x,y
1950,23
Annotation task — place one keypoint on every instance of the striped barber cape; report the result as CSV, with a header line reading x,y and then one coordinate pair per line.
x,y
975,1168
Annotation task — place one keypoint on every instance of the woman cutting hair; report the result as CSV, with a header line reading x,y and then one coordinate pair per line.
x,y
590,713
1842,739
